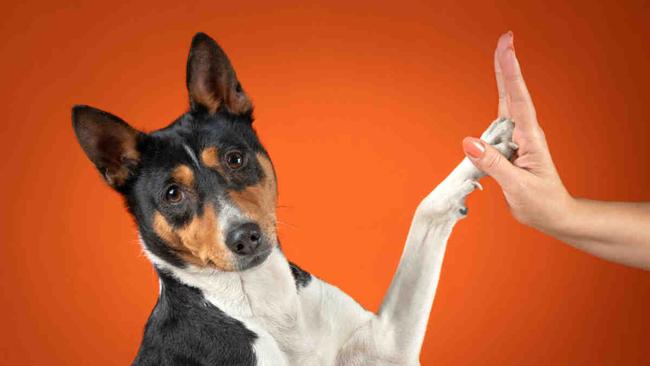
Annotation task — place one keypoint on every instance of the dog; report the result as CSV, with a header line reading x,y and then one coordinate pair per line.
x,y
203,194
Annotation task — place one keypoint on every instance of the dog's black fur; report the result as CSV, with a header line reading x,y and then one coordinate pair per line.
x,y
184,329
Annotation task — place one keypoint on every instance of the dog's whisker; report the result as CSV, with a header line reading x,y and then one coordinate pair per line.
x,y
286,224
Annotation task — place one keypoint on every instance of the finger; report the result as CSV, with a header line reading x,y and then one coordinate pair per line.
x,y
491,162
520,104
502,110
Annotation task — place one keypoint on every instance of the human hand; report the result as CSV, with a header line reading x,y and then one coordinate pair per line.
x,y
530,183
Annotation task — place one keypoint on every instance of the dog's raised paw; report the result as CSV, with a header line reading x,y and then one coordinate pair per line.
x,y
499,135
449,197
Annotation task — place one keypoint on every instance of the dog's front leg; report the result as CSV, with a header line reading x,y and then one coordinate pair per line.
x,y
403,316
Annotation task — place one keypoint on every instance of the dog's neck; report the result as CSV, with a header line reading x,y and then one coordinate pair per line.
x,y
261,291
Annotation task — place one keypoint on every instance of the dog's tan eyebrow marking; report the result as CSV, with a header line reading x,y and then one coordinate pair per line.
x,y
210,157
184,175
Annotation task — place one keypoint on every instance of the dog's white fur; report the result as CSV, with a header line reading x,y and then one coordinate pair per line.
x,y
320,324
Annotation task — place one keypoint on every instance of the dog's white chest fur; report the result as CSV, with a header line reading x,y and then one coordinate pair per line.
x,y
305,326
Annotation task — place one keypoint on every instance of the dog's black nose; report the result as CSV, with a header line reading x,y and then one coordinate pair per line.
x,y
244,239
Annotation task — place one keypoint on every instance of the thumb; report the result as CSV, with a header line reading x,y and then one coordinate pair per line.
x,y
490,161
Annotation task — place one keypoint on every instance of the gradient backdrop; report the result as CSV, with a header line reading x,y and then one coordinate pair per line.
x,y
363,107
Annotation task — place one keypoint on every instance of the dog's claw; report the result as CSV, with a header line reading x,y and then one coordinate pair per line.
x,y
513,146
477,185
463,210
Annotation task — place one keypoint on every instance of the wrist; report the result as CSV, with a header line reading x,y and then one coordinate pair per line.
x,y
565,219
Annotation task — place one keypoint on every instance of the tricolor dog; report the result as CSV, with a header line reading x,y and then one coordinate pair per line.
x,y
203,194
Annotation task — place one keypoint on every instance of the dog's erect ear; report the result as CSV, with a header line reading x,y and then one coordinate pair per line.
x,y
211,79
110,143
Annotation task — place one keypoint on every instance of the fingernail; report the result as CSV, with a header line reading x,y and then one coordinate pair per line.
x,y
473,147
506,41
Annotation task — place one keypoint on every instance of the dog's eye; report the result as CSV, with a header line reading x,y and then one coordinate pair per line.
x,y
234,159
173,194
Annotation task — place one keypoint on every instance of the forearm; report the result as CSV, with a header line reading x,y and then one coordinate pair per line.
x,y
615,231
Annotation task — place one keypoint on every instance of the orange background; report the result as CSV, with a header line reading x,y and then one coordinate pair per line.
x,y
363,108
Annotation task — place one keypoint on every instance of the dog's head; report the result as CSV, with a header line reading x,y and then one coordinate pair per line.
x,y
202,190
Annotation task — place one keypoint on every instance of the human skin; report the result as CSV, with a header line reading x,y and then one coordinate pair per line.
x,y
615,231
